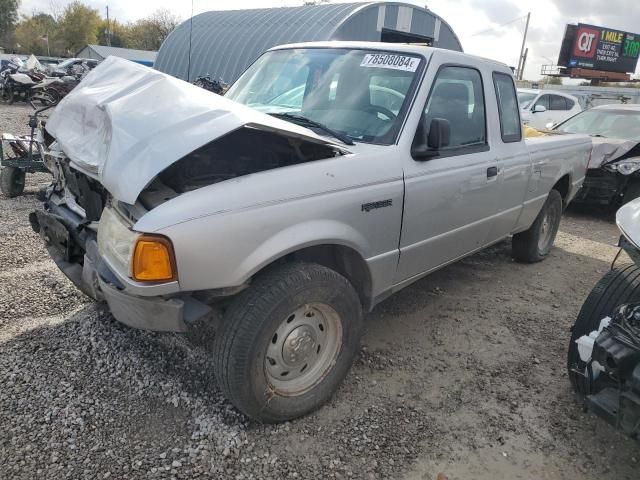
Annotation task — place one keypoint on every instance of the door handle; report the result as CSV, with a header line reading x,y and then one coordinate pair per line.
x,y
492,172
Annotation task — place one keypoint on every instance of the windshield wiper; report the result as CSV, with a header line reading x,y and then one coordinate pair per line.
x,y
307,122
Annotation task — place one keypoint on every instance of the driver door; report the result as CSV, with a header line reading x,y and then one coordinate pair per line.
x,y
450,199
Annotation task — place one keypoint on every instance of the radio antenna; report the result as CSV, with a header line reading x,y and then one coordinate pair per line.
x,y
190,36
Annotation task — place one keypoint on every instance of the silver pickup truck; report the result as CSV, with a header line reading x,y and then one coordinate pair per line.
x,y
330,176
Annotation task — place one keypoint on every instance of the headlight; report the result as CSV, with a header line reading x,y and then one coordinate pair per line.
x,y
143,257
625,167
115,240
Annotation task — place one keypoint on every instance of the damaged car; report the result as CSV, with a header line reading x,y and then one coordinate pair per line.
x,y
330,176
603,359
613,176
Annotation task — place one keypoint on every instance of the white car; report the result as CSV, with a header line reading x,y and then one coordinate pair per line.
x,y
539,108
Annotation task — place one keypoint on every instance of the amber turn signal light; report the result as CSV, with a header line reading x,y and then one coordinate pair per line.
x,y
153,259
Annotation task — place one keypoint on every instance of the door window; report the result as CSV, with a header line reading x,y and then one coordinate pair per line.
x,y
457,96
544,101
507,108
556,102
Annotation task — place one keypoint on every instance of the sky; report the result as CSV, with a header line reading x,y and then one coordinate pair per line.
x,y
490,28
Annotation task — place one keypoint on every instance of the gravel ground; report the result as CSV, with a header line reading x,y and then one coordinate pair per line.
x,y
461,373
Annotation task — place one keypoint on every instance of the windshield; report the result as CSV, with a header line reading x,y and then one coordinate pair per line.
x,y
525,98
358,93
605,123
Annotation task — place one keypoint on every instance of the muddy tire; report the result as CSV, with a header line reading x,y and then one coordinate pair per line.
x,y
11,181
534,245
287,342
618,286
50,97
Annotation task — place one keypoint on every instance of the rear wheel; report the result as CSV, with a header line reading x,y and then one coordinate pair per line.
x,y
619,286
12,181
287,342
534,244
51,97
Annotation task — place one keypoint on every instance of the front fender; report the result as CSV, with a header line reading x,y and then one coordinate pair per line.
x,y
297,237
227,250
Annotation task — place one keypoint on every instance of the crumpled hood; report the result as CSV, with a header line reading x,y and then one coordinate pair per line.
x,y
125,123
607,150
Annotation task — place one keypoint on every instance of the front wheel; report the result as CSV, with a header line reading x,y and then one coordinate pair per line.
x,y
287,342
12,181
534,245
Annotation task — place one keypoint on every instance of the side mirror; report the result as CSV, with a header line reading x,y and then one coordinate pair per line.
x,y
439,134
427,145
539,109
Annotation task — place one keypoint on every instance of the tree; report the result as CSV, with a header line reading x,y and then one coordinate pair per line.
x,y
553,80
70,28
149,33
8,19
32,31
79,26
118,33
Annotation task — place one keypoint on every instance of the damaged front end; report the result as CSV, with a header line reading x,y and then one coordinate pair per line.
x,y
613,176
68,224
127,140
611,373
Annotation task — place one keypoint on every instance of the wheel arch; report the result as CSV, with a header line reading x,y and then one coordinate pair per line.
x,y
563,187
344,259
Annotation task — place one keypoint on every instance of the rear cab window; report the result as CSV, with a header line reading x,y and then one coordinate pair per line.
x,y
508,110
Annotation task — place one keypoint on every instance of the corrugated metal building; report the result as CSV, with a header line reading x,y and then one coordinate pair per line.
x,y
100,52
225,43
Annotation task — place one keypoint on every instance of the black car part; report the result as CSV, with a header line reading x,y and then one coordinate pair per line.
x,y
215,86
616,356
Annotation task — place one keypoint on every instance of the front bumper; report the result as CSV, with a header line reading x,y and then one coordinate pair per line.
x,y
602,187
75,251
152,313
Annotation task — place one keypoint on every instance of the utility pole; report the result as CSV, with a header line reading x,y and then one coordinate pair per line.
x,y
521,59
108,29
524,60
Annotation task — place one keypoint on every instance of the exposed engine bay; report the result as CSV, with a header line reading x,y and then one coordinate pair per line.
x,y
612,374
241,152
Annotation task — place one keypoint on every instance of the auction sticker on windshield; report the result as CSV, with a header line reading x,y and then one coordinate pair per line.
x,y
390,60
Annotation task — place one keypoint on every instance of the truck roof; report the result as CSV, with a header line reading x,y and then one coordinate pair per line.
x,y
397,47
